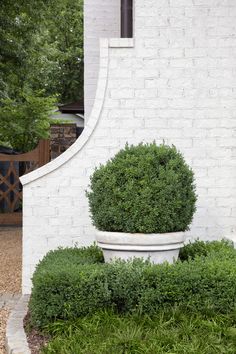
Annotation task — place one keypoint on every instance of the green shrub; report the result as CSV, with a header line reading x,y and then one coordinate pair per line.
x,y
201,248
144,188
125,282
204,284
73,256
65,286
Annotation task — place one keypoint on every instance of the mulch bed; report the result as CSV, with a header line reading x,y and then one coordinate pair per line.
x,y
35,340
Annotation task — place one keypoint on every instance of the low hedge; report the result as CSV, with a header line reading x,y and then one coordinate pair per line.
x,y
67,287
201,248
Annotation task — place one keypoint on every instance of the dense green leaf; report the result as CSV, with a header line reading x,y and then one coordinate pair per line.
x,y
41,57
73,283
41,48
24,123
173,331
145,189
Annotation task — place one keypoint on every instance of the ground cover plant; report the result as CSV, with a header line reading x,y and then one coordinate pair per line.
x,y
169,331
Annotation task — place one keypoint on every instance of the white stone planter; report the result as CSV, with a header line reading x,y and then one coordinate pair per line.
x,y
157,247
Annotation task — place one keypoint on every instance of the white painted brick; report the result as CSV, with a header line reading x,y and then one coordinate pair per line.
x,y
194,133
170,92
198,12
208,3
172,73
152,5
156,123
180,123
123,93
170,133
221,11
147,32
196,52
146,113
171,53
157,103
207,143
101,19
161,63
220,132
221,31
178,85
205,123
41,211
57,221
181,22
146,93
131,104
180,3
155,83
131,123
149,21
158,42
121,73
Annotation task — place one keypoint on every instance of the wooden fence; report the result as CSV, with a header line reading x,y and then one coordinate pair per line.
x,y
12,167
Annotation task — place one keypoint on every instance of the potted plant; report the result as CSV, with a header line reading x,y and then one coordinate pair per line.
x,y
141,202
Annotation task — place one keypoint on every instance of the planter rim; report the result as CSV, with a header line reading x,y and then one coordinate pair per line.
x,y
139,239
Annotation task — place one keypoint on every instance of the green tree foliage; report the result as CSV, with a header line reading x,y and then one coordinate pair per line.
x,y
41,48
20,22
24,123
60,65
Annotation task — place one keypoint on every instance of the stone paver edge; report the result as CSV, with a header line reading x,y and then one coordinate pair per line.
x,y
16,341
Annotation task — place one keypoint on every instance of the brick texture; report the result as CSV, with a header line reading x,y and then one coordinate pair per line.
x,y
101,20
177,84
62,136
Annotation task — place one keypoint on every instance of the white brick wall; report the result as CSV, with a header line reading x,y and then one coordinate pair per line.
x,y
178,84
101,20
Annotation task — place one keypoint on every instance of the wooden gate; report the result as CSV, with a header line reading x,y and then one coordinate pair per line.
x,y
11,168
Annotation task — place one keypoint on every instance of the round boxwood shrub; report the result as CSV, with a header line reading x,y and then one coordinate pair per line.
x,y
143,189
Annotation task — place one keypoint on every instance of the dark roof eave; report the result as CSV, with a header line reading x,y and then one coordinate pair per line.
x,y
75,107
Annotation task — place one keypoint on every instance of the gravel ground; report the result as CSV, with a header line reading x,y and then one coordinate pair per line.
x,y
10,273
10,260
4,312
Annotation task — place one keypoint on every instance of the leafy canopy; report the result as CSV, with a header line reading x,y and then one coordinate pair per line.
x,y
41,57
24,123
41,48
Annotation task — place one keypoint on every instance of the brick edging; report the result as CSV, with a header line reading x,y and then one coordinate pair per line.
x,y
16,341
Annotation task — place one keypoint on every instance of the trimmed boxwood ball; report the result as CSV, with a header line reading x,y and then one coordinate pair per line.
x,y
143,189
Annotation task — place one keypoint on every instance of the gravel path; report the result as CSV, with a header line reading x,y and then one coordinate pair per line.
x,y
10,275
4,313
10,260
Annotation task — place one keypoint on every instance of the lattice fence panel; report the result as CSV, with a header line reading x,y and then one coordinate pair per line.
x,y
12,167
